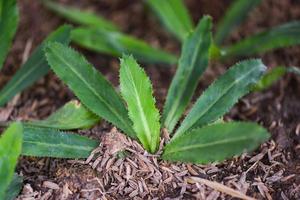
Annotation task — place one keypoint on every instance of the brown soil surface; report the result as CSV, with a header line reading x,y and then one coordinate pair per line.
x,y
273,171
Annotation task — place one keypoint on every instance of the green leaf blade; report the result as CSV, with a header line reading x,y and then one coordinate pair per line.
x,y
174,16
192,63
215,142
277,37
9,19
45,142
234,16
136,89
116,44
79,16
71,116
34,68
14,188
10,149
89,85
223,94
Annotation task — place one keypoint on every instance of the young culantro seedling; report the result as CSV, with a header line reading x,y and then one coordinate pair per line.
x,y
199,138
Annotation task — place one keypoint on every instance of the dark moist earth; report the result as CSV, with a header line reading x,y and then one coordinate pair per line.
x,y
273,171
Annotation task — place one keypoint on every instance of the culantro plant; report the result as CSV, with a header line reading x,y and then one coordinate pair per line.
x,y
200,137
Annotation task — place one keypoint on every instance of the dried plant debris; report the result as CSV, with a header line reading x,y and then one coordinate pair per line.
x,y
120,169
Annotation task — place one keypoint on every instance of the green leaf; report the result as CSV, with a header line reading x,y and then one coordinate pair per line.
x,y
80,17
9,19
223,94
215,142
116,44
234,16
192,63
136,89
45,142
34,68
72,115
277,37
90,86
14,188
174,16
10,149
270,78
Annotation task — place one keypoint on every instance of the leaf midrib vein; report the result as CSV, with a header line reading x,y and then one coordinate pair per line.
x,y
142,114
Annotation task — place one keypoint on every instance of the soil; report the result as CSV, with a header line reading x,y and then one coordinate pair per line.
x,y
272,172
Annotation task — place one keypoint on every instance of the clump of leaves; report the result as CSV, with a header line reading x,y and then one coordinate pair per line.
x,y
99,34
180,25
200,138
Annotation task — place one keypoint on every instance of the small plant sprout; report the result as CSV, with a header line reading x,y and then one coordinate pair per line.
x,y
200,138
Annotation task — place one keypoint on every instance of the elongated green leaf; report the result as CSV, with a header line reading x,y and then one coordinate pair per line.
x,y
116,43
234,16
215,142
10,149
80,17
9,19
45,142
281,36
174,15
91,87
192,64
72,115
136,89
223,94
14,188
34,68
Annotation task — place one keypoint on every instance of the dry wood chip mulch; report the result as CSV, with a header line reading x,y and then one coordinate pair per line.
x,y
124,170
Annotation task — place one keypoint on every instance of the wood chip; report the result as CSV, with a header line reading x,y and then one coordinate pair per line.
x,y
220,187
50,185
